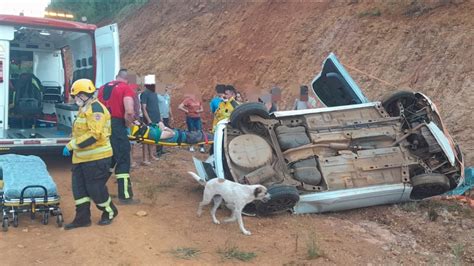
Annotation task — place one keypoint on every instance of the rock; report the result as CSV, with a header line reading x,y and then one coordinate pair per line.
x,y
25,230
20,246
385,248
141,213
467,224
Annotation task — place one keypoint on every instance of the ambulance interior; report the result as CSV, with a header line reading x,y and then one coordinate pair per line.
x,y
43,64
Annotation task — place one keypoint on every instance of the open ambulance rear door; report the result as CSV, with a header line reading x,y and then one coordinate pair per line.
x,y
107,54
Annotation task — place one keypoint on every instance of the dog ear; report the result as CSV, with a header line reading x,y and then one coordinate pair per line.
x,y
257,191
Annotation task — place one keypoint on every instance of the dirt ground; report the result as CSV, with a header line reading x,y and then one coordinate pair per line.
x,y
432,232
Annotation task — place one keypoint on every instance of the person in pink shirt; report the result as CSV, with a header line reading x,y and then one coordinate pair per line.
x,y
192,106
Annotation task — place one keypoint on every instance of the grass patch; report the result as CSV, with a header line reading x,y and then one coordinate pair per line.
x,y
409,206
370,13
433,207
186,253
312,249
234,253
458,251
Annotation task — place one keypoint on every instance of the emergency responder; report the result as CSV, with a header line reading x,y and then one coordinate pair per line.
x,y
92,156
117,96
225,107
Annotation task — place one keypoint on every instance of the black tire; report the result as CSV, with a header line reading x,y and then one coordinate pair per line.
x,y
429,185
283,198
390,103
15,220
240,117
5,224
45,219
59,220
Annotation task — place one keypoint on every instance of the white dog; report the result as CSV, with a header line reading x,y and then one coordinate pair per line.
x,y
235,195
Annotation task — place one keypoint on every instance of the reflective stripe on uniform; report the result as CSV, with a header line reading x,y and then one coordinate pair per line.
x,y
126,179
81,120
107,207
124,175
82,200
125,188
103,149
72,144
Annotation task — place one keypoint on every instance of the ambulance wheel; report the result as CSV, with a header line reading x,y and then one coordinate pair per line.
x,y
59,220
5,224
45,219
15,220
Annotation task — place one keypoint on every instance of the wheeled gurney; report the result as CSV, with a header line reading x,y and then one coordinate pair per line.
x,y
27,188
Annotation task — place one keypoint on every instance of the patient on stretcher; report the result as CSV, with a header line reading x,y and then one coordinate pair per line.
x,y
162,134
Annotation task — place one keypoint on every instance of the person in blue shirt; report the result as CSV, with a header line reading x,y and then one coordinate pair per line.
x,y
164,102
214,104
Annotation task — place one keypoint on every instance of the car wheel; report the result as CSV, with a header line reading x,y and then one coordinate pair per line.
x,y
240,118
390,103
283,198
428,185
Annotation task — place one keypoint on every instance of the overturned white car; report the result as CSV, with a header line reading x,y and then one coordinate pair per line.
x,y
350,154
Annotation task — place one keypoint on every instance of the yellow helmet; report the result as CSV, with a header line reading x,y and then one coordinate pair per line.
x,y
82,85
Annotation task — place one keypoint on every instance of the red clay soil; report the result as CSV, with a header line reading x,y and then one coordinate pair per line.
x,y
431,232
413,45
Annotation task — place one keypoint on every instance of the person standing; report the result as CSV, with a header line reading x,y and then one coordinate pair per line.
x,y
302,102
92,156
150,108
192,107
239,98
214,104
164,104
226,107
137,109
117,97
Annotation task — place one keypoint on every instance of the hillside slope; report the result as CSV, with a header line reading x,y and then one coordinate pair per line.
x,y
425,47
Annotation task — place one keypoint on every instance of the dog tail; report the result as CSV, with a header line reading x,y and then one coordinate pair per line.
x,y
199,179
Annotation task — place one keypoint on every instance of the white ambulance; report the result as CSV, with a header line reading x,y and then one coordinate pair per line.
x,y
39,60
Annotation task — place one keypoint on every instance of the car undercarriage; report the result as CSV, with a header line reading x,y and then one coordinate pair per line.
x,y
397,141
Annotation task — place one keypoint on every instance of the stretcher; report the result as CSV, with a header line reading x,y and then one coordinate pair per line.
x,y
152,135
27,188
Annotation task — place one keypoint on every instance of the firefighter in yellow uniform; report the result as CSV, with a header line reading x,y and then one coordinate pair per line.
x,y
226,106
92,156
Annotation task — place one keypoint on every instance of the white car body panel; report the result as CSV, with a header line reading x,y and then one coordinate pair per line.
x,y
443,142
323,110
218,141
346,199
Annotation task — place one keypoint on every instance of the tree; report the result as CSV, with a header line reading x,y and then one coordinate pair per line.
x,y
94,10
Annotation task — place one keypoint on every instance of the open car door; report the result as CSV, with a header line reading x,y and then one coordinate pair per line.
x,y
334,86
107,54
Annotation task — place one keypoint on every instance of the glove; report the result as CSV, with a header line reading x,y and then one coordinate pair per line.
x,y
66,152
